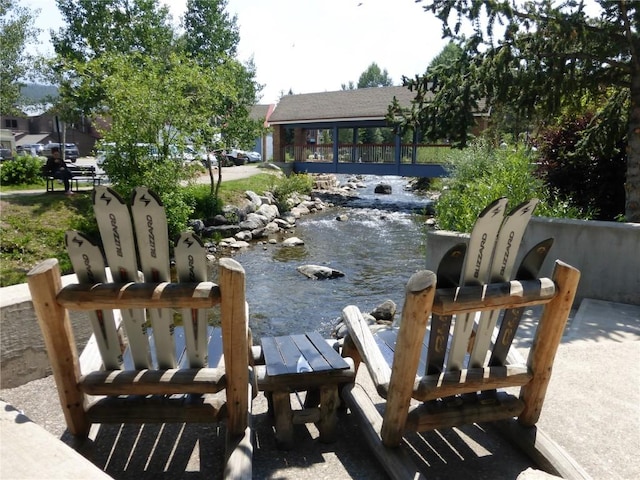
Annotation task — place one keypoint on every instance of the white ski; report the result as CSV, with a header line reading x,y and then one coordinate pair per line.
x,y
191,266
504,257
114,223
150,223
88,264
476,269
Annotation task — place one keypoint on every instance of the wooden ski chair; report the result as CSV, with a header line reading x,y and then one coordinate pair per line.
x,y
221,391
419,397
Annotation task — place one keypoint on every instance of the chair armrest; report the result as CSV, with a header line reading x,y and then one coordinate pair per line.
x,y
369,351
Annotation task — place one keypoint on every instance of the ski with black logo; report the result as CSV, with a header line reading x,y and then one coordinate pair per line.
x,y
504,257
529,270
150,224
448,276
191,266
88,264
118,242
475,271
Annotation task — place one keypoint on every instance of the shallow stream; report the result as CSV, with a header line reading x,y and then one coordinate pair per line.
x,y
378,248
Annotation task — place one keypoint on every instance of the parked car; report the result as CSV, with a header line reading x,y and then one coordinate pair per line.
x,y
254,157
5,154
34,149
237,156
71,152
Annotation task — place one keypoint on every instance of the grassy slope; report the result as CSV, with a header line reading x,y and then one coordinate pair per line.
x,y
32,227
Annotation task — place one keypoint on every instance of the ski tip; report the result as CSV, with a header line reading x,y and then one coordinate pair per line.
x,y
533,260
496,207
105,194
140,193
189,239
528,206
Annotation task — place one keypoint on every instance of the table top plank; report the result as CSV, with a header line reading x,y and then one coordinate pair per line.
x,y
310,353
329,354
273,359
289,352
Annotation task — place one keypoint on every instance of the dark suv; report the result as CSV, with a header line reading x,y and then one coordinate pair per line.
x,y
70,151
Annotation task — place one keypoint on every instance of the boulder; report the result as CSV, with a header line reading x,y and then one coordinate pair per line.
x,y
292,242
383,188
319,272
385,311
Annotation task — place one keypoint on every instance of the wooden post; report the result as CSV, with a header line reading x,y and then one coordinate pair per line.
x,y
235,346
546,342
418,302
45,283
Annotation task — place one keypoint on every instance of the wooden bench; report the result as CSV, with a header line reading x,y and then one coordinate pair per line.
x,y
79,173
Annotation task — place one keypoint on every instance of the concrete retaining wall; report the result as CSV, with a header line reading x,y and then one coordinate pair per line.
x,y
23,357
606,253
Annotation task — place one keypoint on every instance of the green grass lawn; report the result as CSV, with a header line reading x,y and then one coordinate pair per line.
x,y
32,226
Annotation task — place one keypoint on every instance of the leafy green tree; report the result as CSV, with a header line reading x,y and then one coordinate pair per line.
x,y
16,31
374,77
94,28
211,33
550,57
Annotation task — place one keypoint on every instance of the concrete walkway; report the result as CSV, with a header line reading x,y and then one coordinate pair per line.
x,y
592,410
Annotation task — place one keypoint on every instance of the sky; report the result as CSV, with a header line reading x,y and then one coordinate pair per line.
x,y
311,46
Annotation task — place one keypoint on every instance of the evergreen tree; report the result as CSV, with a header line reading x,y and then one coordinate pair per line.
x,y
551,57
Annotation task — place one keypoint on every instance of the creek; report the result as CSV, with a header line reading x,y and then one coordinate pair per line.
x,y
378,248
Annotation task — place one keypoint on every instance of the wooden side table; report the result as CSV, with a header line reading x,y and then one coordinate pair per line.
x,y
304,362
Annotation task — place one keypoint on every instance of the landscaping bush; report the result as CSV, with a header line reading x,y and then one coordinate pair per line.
x,y
587,171
24,169
283,187
481,174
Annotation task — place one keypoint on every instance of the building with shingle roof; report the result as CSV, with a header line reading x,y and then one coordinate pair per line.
x,y
298,119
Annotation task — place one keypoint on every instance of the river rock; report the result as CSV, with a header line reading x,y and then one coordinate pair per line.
x,y
292,242
244,236
383,188
385,311
271,212
253,221
254,198
319,272
342,218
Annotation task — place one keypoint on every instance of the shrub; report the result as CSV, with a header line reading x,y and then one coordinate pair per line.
x,y
587,171
283,187
480,174
24,169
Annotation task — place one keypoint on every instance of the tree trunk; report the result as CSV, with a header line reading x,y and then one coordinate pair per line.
x,y
632,184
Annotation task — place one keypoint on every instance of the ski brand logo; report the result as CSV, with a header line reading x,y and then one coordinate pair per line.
x,y
87,266
505,259
78,241
476,272
106,198
116,235
496,211
152,237
188,241
192,271
146,200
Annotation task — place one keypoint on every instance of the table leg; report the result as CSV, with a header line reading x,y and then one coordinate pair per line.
x,y
283,419
329,401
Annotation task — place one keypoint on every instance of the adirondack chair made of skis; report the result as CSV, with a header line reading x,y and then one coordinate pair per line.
x,y
419,397
90,394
